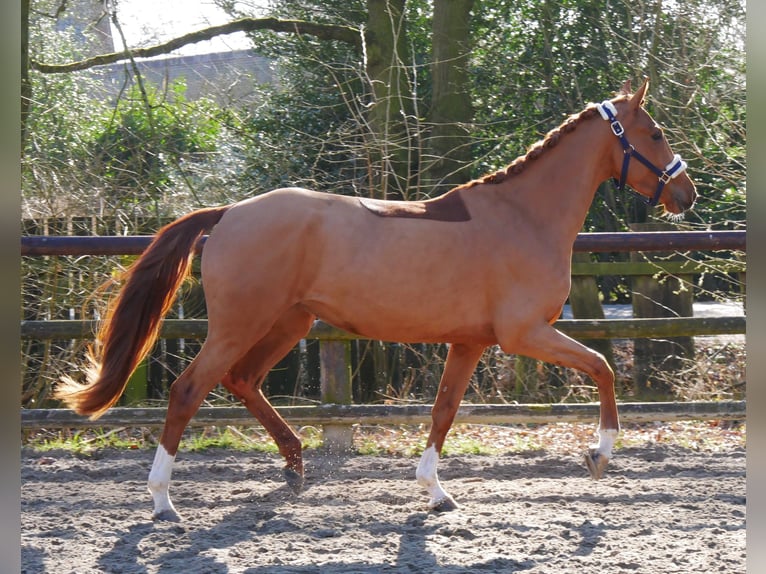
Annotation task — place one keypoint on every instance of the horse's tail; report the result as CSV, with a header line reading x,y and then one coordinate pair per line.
x,y
133,319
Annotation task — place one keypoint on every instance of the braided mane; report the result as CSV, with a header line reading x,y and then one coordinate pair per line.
x,y
550,140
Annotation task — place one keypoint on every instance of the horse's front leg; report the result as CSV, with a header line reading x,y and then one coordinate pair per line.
x,y
460,365
547,344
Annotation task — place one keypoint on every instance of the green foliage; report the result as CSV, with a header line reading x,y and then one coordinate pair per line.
x,y
291,141
536,62
87,146
305,129
532,64
146,139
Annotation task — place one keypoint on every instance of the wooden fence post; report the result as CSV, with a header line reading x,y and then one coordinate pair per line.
x,y
335,385
585,303
669,297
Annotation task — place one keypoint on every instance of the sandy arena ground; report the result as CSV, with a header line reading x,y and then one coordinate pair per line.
x,y
661,508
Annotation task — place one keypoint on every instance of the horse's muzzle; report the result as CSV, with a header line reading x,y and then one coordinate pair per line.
x,y
680,197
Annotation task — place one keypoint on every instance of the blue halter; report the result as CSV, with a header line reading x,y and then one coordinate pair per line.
x,y
675,167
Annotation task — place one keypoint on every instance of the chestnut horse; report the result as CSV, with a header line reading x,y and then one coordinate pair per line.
x,y
488,263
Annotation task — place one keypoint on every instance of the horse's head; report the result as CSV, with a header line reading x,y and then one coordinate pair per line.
x,y
657,174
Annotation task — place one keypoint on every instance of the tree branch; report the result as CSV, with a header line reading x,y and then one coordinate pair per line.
x,y
345,34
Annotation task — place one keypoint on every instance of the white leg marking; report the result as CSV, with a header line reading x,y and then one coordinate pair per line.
x,y
606,440
428,479
159,481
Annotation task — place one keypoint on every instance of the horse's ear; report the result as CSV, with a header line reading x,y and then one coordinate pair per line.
x,y
637,100
625,89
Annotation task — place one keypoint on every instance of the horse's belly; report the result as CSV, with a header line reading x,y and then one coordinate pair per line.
x,y
406,324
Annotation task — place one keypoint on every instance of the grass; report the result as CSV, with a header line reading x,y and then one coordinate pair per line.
x,y
409,440
82,441
85,441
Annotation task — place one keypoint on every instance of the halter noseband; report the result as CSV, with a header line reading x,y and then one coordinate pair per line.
x,y
675,167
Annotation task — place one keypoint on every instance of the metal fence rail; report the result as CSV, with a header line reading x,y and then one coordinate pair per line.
x,y
35,245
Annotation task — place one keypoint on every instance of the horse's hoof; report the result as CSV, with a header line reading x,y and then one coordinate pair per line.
x,y
596,463
446,504
167,515
294,480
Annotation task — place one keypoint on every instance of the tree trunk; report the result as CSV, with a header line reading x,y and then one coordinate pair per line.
x,y
387,68
448,144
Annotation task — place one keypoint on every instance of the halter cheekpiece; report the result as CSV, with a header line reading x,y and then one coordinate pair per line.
x,y
675,167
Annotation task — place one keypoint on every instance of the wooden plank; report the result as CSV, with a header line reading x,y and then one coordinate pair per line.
x,y
661,241
395,414
651,327
627,268
579,328
37,245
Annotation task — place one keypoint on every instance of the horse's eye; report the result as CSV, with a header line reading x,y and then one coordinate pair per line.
x,y
656,136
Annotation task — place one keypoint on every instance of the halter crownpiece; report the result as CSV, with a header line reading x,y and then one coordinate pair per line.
x,y
608,111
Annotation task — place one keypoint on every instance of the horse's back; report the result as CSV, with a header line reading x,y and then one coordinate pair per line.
x,y
395,278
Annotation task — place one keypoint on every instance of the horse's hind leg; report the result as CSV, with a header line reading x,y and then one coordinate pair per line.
x,y
186,395
244,380
461,362
548,344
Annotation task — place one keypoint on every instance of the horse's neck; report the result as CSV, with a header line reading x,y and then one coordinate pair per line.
x,y
558,187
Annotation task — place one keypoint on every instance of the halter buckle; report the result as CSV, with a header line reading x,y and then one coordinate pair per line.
x,y
617,128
